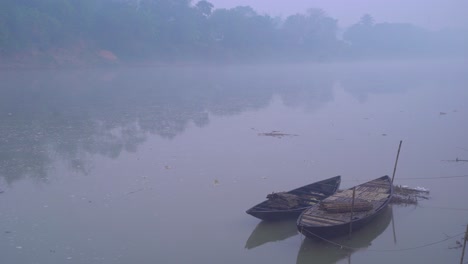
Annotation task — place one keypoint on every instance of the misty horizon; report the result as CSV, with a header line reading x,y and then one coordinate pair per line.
x,y
433,14
64,32
141,131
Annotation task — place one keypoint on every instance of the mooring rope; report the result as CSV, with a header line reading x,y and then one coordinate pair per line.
x,y
384,250
443,207
412,178
431,178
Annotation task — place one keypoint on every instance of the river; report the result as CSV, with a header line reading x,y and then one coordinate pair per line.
x,y
158,164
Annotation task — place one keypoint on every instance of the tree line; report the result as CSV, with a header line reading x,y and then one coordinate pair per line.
x,y
186,30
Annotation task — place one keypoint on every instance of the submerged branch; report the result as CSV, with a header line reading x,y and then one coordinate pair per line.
x,y
277,134
404,195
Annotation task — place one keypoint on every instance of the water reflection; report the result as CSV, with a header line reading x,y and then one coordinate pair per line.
x,y
71,114
267,231
313,251
45,115
397,81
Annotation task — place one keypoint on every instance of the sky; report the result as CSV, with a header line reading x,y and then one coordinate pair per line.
x,y
433,14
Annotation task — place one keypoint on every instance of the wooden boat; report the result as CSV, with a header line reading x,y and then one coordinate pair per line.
x,y
334,215
300,199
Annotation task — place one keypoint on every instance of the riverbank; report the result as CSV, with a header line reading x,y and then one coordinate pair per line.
x,y
58,58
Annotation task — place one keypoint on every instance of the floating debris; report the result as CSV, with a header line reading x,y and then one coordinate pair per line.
x,y
277,134
442,113
404,195
458,244
133,192
400,200
404,189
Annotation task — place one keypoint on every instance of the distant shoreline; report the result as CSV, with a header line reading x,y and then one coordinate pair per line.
x,y
95,59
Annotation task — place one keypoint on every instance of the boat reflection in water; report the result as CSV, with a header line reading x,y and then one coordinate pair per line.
x,y
267,231
316,251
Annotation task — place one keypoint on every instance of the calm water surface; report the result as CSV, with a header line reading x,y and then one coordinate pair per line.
x,y
158,165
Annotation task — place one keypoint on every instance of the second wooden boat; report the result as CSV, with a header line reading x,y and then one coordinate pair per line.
x,y
337,214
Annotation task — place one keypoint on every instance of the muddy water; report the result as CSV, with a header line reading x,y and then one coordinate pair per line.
x,y
158,165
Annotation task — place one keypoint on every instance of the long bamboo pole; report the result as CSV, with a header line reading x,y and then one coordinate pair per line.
x,y
396,161
352,213
464,245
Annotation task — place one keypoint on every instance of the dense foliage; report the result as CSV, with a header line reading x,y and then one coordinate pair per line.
x,y
180,29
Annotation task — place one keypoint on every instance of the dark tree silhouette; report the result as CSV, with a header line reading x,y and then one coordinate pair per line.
x,y
178,29
205,7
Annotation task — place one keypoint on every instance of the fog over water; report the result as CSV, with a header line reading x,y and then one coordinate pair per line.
x,y
159,164
140,131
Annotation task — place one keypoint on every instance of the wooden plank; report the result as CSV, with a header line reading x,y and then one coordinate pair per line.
x,y
322,220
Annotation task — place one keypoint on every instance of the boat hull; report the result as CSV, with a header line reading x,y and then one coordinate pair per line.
x,y
314,232
315,192
319,221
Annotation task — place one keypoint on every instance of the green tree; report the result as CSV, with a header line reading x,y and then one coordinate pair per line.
x,y
367,20
241,32
204,7
124,30
310,35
